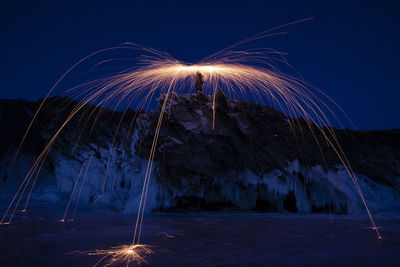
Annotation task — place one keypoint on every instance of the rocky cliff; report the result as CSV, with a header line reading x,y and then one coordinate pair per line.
x,y
255,158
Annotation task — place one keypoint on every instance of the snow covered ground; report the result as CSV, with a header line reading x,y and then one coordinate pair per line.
x,y
37,238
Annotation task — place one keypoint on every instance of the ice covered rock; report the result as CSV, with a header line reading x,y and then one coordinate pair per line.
x,y
255,158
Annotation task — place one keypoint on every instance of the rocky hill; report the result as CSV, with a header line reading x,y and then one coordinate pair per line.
x,y
255,158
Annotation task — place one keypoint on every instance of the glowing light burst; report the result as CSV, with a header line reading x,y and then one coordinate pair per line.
x,y
125,254
238,73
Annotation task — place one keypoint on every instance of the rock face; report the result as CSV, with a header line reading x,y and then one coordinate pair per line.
x,y
255,158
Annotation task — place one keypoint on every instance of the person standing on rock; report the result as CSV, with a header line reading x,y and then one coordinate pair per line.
x,y
199,82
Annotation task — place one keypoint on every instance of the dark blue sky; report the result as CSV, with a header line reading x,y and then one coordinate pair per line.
x,y
350,50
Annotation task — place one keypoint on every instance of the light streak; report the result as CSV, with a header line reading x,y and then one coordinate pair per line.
x,y
72,193
80,191
237,73
127,254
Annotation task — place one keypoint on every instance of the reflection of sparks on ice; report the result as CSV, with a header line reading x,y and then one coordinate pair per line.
x,y
127,254
165,235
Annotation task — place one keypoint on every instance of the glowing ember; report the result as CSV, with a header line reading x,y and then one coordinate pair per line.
x,y
125,254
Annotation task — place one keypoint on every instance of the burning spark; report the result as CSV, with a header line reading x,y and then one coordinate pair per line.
x,y
238,73
125,254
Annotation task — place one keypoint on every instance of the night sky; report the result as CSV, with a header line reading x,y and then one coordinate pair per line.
x,y
349,50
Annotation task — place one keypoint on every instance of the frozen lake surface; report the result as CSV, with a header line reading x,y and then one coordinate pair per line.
x,y
37,238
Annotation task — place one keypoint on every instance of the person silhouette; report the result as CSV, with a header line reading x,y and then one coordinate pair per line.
x,y
199,82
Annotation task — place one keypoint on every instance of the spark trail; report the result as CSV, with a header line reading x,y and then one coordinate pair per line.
x,y
240,73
